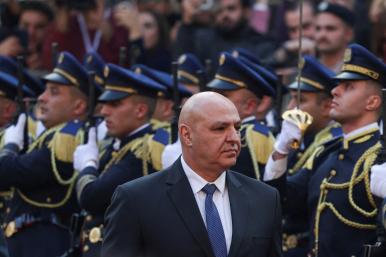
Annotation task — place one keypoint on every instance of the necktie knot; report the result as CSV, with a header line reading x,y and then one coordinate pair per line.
x,y
209,189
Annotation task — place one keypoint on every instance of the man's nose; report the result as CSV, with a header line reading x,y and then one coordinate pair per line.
x,y
42,97
233,135
104,110
336,90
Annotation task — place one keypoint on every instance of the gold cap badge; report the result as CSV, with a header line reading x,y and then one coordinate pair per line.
x,y
222,59
347,55
106,71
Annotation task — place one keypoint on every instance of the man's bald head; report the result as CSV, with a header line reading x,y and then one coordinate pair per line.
x,y
203,104
209,131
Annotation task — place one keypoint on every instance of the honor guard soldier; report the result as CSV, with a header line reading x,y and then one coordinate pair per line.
x,y
38,217
245,88
128,102
316,83
188,73
11,67
93,62
8,108
266,114
164,109
334,183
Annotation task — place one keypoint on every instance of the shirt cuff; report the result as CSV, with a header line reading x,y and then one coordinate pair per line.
x,y
275,169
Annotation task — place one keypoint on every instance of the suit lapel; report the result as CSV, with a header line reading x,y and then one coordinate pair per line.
x,y
239,210
182,197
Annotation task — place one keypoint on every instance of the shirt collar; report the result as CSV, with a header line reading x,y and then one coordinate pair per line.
x,y
117,142
248,119
197,182
361,131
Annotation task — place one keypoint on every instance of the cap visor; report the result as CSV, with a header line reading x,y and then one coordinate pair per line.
x,y
345,75
56,78
111,95
222,85
303,87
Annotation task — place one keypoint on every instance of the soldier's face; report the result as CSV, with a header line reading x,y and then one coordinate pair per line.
x,y
240,98
121,116
313,104
58,104
349,101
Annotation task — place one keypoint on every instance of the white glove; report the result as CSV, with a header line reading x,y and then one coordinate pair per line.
x,y
87,155
15,133
289,133
378,180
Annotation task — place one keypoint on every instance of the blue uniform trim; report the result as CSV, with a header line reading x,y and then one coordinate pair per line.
x,y
336,131
162,136
71,127
261,128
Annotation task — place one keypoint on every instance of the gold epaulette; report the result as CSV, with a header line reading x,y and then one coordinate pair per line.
x,y
139,147
156,124
260,146
65,138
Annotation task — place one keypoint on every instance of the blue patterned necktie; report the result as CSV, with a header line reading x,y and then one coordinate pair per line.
x,y
213,223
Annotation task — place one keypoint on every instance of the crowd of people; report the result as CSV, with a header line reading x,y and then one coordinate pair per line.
x,y
192,128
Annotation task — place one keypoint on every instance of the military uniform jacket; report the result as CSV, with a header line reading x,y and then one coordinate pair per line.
x,y
334,185
43,180
256,146
95,187
297,158
296,222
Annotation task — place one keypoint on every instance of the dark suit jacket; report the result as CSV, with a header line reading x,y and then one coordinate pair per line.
x,y
157,216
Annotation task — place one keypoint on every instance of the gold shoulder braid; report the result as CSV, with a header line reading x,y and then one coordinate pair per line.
x,y
138,147
366,160
56,145
260,147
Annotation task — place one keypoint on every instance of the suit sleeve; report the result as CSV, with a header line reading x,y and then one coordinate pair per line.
x,y
123,236
276,249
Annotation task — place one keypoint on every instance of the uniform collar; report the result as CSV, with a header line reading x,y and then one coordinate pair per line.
x,y
139,132
249,120
360,132
197,183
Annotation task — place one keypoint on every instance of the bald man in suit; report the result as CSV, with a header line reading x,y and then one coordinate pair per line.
x,y
197,207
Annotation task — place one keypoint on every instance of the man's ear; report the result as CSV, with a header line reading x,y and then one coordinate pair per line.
x,y
264,105
141,110
373,102
185,135
80,107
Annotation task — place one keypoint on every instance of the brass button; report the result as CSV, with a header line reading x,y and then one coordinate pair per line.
x,y
95,235
299,155
8,210
86,248
10,229
333,173
341,157
48,199
88,218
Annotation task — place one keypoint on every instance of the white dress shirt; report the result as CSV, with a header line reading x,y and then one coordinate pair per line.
x,y
171,153
220,199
